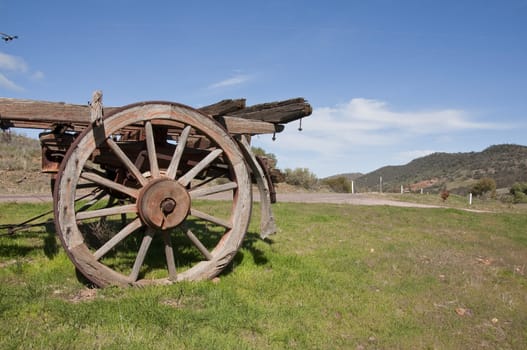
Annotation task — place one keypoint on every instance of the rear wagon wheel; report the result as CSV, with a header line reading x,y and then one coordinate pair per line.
x,y
147,166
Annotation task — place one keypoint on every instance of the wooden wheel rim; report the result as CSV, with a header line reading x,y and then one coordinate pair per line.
x,y
77,156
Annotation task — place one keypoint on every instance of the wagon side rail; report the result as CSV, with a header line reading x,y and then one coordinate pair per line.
x,y
238,119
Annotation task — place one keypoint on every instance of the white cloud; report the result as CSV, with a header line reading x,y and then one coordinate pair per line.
x,y
38,75
373,116
8,84
334,136
372,123
12,63
15,65
235,80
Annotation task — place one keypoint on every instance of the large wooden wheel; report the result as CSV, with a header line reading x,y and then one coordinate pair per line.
x,y
147,166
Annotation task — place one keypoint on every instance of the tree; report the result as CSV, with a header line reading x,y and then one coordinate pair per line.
x,y
339,184
519,192
483,186
301,177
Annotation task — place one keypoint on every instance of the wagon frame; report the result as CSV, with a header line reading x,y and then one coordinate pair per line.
x,y
127,182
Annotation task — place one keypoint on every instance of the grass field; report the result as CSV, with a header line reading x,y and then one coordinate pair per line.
x,y
455,201
334,277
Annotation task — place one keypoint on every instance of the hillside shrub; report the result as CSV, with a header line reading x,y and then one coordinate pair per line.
x,y
18,152
339,184
301,177
519,192
258,151
484,186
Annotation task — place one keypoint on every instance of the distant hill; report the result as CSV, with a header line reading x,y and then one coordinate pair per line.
x,y
20,159
506,164
457,172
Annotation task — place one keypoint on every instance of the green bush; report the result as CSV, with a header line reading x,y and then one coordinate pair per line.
x,y
301,177
484,186
338,184
519,192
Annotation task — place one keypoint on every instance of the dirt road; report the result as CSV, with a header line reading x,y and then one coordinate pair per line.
x,y
345,198
296,197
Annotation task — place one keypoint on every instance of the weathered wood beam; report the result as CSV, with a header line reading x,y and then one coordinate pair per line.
x,y
39,112
276,112
239,126
223,107
238,119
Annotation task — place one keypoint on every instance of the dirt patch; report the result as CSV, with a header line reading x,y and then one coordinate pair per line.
x,y
84,295
345,198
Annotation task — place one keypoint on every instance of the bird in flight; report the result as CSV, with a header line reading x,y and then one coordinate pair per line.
x,y
7,37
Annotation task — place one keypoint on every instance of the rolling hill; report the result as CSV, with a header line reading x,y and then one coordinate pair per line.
x,y
20,165
457,172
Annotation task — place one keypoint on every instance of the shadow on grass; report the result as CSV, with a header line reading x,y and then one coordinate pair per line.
x,y
28,242
249,244
23,242
51,247
14,251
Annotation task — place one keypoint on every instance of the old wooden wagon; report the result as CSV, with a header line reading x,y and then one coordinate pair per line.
x,y
127,182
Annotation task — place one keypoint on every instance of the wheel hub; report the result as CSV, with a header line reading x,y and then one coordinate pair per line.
x,y
163,204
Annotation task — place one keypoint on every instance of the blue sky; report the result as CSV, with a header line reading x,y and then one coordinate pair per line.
x,y
389,81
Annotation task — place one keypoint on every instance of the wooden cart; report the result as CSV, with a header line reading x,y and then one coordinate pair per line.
x,y
127,186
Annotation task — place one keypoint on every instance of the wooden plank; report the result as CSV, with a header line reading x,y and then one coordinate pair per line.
x,y
236,118
237,125
29,111
276,112
223,107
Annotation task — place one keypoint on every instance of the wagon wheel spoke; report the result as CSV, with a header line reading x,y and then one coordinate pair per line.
x,y
205,162
169,254
123,209
143,249
132,192
86,185
176,158
195,240
93,201
151,149
126,161
205,191
93,168
218,221
125,232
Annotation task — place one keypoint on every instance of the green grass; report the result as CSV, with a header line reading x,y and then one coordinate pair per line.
x,y
455,201
334,277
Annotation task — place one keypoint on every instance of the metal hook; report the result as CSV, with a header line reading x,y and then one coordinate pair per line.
x,y
300,126
274,136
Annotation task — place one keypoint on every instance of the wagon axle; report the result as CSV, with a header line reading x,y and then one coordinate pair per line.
x,y
167,206
163,204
